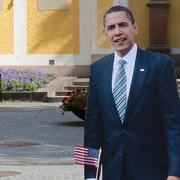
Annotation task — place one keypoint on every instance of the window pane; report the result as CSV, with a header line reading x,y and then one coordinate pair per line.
x,y
53,5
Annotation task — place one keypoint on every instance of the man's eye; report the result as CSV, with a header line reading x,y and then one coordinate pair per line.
x,y
123,25
110,27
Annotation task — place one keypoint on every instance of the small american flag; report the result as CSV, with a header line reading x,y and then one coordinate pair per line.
x,y
86,156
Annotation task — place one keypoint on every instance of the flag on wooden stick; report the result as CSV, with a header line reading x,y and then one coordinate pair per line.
x,y
87,156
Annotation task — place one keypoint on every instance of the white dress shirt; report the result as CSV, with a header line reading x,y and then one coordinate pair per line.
x,y
130,58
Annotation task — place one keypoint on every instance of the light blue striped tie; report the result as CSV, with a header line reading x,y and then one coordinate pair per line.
x,y
119,90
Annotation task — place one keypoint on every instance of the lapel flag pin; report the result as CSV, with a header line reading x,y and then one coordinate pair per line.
x,y
141,70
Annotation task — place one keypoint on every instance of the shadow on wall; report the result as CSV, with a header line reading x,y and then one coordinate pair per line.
x,y
10,5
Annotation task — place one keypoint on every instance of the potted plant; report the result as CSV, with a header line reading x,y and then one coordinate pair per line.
x,y
76,102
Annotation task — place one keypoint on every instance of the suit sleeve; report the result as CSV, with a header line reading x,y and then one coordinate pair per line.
x,y
92,133
170,105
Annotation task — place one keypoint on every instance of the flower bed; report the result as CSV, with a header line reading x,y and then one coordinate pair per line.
x,y
19,81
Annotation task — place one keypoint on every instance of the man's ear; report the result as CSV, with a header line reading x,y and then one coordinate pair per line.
x,y
136,28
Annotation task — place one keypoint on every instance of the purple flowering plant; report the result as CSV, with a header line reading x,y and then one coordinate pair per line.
x,y
16,81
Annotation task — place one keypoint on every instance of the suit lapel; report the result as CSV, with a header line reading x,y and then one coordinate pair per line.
x,y
140,71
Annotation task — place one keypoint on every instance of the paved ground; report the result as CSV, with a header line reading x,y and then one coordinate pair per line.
x,y
37,141
70,172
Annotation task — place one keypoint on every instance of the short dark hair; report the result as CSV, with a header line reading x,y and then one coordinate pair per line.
x,y
119,8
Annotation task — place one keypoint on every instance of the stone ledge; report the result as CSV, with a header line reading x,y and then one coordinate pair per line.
x,y
24,96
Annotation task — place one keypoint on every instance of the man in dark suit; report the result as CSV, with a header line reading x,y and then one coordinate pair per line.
x,y
133,111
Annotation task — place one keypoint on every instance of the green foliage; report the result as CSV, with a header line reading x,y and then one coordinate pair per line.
x,y
77,99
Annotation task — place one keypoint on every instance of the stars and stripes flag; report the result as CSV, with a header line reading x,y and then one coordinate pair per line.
x,y
86,156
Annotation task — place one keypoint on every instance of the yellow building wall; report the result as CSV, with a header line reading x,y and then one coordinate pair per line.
x,y
6,28
102,6
55,32
141,15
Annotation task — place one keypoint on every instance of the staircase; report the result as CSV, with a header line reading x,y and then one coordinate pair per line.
x,y
79,83
61,86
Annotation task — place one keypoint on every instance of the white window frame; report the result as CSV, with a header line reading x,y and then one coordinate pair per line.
x,y
61,5
121,2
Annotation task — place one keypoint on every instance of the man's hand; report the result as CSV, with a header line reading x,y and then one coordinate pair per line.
x,y
173,178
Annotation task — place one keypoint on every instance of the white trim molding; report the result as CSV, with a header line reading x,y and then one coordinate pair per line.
x,y
26,59
1,5
85,33
20,28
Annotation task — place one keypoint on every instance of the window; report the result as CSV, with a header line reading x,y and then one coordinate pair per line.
x,y
53,5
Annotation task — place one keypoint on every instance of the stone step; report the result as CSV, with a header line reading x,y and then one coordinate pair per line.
x,y
62,92
72,87
81,81
55,98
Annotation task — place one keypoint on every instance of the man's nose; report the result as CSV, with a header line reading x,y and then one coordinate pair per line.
x,y
117,31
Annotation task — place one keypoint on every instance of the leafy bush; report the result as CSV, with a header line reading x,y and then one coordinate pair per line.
x,y
76,102
12,80
77,99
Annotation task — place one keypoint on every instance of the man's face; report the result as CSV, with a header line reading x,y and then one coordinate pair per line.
x,y
120,31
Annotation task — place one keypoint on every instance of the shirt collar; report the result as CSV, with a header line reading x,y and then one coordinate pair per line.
x,y
129,57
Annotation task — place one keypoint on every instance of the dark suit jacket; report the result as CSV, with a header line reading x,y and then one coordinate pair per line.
x,y
150,135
